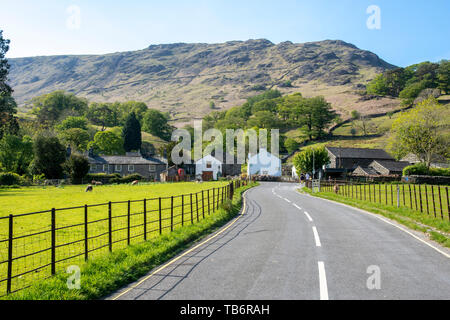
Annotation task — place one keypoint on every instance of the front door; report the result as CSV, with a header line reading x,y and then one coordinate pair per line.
x,y
207,175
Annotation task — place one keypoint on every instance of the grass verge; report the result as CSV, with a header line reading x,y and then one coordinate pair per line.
x,y
108,273
436,229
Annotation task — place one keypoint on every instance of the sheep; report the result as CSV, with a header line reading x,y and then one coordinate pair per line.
x,y
96,183
135,183
89,188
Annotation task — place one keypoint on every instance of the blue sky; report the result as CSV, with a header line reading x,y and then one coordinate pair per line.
x,y
411,31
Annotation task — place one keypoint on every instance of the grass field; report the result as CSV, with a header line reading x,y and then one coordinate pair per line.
x,y
78,227
426,199
437,227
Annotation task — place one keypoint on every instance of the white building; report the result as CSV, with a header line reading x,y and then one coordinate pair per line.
x,y
208,167
264,163
294,172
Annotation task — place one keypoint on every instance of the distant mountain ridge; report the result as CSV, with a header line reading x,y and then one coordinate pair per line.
x,y
183,78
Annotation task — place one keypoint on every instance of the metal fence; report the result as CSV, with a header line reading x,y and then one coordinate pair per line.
x,y
39,244
430,199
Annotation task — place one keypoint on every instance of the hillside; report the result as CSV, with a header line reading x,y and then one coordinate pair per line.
x,y
183,78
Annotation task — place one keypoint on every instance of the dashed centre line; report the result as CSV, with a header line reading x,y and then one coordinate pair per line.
x,y
323,281
316,237
308,216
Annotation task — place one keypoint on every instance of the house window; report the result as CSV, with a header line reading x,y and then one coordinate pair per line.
x,y
105,167
152,168
209,165
131,168
118,168
92,167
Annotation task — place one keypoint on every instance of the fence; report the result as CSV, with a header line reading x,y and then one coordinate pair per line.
x,y
430,199
39,244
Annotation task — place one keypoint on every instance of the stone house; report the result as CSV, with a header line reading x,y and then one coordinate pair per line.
x,y
351,158
125,165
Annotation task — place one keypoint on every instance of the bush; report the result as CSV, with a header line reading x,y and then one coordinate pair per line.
x,y
10,179
421,169
127,179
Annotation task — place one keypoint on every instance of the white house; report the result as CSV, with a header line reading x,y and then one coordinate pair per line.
x,y
264,163
208,167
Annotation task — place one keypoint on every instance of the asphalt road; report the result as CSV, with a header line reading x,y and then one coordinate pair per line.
x,y
292,246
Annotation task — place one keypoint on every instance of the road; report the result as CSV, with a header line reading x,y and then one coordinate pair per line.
x,y
291,246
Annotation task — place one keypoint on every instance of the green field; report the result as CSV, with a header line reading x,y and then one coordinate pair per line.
x,y
32,235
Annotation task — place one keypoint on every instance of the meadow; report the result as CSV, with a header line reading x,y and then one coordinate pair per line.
x,y
83,225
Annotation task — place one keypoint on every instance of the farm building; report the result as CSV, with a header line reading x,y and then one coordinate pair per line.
x,y
264,163
382,168
211,167
351,158
131,163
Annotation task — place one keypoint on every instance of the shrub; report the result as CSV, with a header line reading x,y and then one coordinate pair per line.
x,y
421,169
10,179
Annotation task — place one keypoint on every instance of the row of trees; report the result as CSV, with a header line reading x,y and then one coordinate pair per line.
x,y
271,110
407,83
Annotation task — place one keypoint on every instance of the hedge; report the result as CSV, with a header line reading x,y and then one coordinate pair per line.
x,y
10,179
421,169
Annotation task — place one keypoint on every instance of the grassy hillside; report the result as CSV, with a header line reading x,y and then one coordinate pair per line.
x,y
184,78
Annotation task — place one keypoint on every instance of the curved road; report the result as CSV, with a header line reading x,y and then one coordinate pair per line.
x,y
291,246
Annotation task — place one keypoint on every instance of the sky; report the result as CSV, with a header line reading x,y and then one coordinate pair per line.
x,y
400,32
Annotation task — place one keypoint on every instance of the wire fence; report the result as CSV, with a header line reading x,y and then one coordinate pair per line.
x,y
37,245
432,200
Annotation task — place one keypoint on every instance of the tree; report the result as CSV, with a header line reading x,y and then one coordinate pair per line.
x,y
131,133
419,132
444,76
322,115
291,145
72,123
49,156
103,114
8,107
157,123
77,167
107,143
16,154
411,92
51,107
77,138
355,115
263,119
303,161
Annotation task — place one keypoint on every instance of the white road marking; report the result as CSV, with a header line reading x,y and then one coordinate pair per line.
x,y
288,200
308,216
323,281
297,207
316,237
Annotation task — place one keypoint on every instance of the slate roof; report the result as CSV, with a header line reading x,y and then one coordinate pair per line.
x,y
367,171
124,160
394,166
358,153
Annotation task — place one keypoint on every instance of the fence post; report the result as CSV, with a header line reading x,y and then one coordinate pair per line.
x,y
448,204
420,198
379,193
192,212
209,208
218,197
440,203
182,210
214,200
410,196
171,214
386,193
10,253
426,199
129,223
203,204
53,261
145,219
398,196
160,216
110,226
196,206
434,204
86,248
415,197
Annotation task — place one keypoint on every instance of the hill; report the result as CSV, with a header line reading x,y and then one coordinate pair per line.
x,y
183,79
